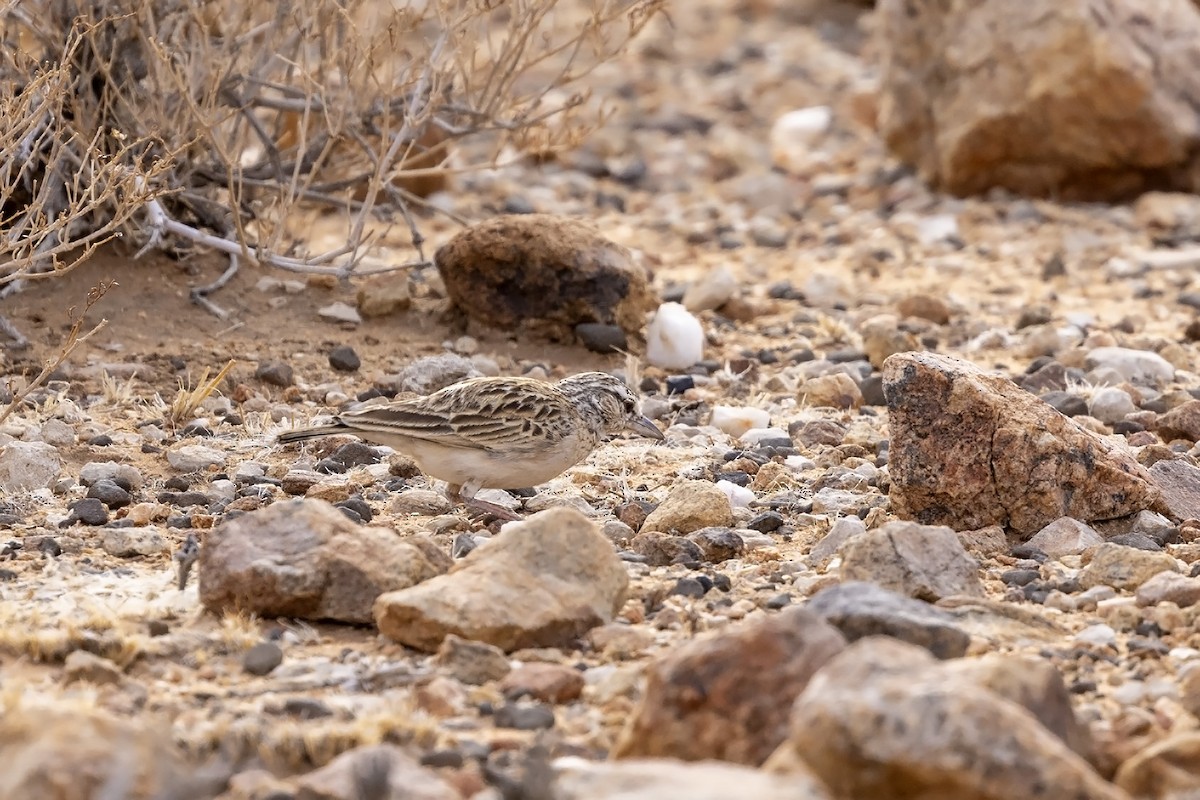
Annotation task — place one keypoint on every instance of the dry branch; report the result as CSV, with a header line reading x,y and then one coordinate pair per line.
x,y
205,124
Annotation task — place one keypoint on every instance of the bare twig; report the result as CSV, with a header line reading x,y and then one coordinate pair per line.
x,y
75,337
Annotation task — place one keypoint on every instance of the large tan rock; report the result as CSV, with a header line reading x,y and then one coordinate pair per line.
x,y
690,506
1075,98
546,274
1166,770
726,696
927,562
543,582
970,449
304,558
884,719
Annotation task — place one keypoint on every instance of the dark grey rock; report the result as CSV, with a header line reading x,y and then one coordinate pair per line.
x,y
859,609
344,359
262,658
601,338
276,373
89,511
109,493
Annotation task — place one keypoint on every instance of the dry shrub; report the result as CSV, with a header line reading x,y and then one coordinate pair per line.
x,y
185,124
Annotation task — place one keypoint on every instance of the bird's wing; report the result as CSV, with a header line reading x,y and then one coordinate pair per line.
x,y
482,414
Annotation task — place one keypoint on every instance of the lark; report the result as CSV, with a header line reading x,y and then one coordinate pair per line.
x,y
497,433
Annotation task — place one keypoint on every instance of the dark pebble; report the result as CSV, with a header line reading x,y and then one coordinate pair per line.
x,y
776,442
778,601
351,514
359,507
355,454
184,499
100,440
89,511
177,483
1139,541
650,385
1190,299
1148,628
110,494
7,575
601,338
344,359
516,204
1125,427
689,587
150,449
443,758
872,390
846,356
9,520
276,373
372,393
678,384
157,627
783,291
1066,403
1035,593
524,716
196,428
1020,577
305,708
1029,552
721,581
47,546
766,522
740,478
463,544
262,658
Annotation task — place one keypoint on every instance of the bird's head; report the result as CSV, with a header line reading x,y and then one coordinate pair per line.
x,y
607,400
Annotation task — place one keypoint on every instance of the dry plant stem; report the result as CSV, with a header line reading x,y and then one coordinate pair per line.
x,y
75,337
186,123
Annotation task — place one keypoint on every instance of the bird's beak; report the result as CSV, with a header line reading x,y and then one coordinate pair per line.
x,y
645,427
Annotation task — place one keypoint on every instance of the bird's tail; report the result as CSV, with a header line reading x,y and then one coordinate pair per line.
x,y
301,434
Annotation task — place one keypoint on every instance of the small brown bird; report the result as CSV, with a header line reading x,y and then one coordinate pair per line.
x,y
497,433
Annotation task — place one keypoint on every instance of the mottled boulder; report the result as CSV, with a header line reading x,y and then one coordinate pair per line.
x,y
726,696
970,449
885,719
927,562
542,582
1101,99
305,558
545,274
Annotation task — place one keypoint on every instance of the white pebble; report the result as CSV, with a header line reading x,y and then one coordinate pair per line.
x,y
937,228
794,134
1098,634
737,420
712,291
339,312
739,496
675,338
194,457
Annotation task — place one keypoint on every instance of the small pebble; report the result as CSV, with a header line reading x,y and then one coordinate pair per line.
x,y
524,716
262,658
344,359
89,511
276,373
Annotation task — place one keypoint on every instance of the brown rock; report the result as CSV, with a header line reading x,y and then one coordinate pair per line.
x,y
1124,567
884,719
984,542
542,582
718,544
1179,483
550,683
384,294
474,663
1169,587
925,306
78,753
544,273
1166,770
304,558
1033,684
970,449
831,391
923,561
1181,422
396,773
81,665
882,337
661,549
659,778
1083,112
690,506
726,696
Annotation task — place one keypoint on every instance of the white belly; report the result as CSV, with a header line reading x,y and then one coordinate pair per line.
x,y
482,469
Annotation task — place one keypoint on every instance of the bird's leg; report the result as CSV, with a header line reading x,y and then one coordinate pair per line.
x,y
466,496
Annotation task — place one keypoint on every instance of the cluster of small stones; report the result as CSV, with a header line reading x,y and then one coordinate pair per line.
x,y
777,595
